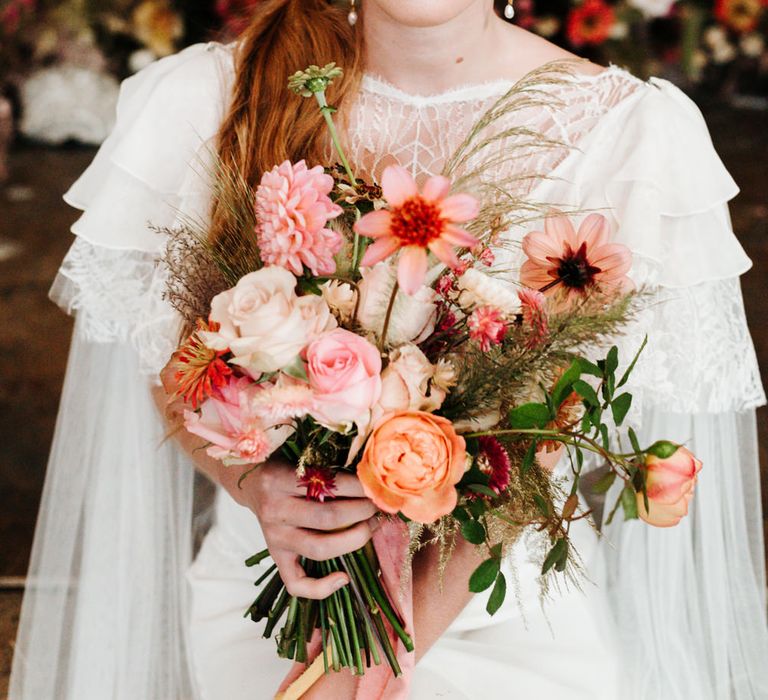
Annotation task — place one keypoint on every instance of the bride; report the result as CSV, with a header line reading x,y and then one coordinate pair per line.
x,y
121,604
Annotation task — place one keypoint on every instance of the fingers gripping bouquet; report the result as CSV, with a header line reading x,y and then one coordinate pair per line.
x,y
367,328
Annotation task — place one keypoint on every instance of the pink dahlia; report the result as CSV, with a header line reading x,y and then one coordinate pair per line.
x,y
487,327
294,208
559,258
417,222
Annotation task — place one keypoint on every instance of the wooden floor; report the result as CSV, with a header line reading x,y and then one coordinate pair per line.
x,y
35,336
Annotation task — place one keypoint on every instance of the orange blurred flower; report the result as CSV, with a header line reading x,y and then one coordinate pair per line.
x,y
590,23
740,15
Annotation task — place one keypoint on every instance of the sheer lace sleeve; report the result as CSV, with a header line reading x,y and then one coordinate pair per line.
x,y
152,169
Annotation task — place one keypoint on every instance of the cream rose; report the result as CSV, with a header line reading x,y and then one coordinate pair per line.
x,y
262,321
406,383
413,317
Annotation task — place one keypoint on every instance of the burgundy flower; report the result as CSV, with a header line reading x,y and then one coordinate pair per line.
x,y
494,461
320,483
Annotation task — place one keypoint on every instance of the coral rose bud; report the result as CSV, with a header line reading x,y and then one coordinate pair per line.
x,y
669,481
411,464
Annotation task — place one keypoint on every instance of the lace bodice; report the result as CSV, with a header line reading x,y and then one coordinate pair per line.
x,y
117,287
388,126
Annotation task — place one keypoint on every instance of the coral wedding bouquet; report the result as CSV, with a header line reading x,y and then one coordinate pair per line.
x,y
367,328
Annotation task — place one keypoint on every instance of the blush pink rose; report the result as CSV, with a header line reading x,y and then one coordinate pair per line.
x,y
344,373
669,482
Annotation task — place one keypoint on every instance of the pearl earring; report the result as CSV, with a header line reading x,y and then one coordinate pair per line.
x,y
352,16
509,10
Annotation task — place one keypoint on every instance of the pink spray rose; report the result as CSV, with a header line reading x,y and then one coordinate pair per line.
x,y
264,323
294,208
669,482
344,372
236,433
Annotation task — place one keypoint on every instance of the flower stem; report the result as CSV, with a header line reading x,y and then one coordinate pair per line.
x,y
388,317
327,111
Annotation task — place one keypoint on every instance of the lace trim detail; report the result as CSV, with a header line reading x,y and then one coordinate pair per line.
x,y
700,357
118,297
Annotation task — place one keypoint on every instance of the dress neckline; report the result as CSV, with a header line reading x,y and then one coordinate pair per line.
x,y
377,85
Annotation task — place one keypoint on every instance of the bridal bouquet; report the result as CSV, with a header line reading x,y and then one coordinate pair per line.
x,y
368,328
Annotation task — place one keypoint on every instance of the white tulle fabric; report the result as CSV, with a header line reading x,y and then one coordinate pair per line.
x,y
106,614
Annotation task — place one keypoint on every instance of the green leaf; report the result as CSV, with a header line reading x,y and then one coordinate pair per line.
x,y
496,550
663,449
564,385
483,576
460,514
620,407
629,503
554,555
541,504
530,457
586,392
612,361
625,376
633,439
477,508
297,369
588,367
498,594
530,415
484,490
604,483
562,562
473,532
604,436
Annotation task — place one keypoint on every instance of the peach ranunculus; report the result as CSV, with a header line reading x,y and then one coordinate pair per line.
x,y
669,483
417,222
344,372
413,316
263,323
411,464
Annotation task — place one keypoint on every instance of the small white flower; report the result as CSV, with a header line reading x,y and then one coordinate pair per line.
x,y
445,374
724,53
715,37
653,8
752,45
619,31
547,26
340,298
478,289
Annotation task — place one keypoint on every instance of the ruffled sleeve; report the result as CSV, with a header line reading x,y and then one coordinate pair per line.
x,y
152,170
652,168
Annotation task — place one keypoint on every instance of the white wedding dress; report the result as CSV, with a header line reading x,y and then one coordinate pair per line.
x,y
117,609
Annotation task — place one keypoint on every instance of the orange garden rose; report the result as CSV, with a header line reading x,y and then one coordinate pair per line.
x,y
411,464
669,482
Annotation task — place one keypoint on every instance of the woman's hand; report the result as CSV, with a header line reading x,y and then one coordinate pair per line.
x,y
295,527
